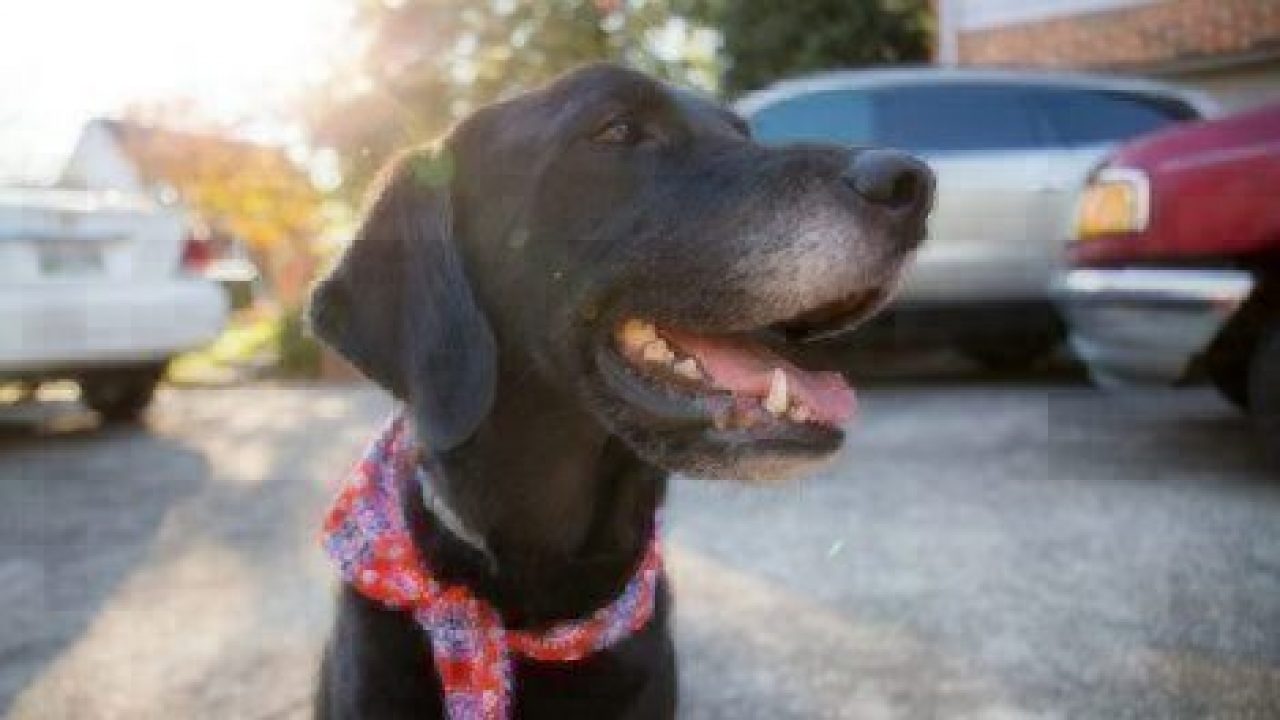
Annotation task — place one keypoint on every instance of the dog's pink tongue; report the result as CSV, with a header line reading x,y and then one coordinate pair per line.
x,y
746,369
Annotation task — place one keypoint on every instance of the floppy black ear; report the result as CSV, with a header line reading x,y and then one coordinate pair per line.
x,y
398,306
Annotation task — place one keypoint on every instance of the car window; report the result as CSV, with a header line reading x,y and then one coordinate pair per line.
x,y
840,116
1084,117
947,118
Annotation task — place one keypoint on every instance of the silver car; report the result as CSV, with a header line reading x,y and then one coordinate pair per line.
x,y
1011,151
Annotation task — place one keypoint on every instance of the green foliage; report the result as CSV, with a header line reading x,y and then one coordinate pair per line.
x,y
298,353
248,344
765,40
255,343
428,62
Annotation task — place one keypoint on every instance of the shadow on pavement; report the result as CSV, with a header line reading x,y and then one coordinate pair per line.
x,y
207,593
979,522
75,520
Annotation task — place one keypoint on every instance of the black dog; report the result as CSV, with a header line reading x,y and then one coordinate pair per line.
x,y
578,291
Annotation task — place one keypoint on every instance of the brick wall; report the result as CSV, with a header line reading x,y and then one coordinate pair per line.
x,y
1136,37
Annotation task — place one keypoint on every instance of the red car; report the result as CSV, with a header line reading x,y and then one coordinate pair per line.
x,y
1175,271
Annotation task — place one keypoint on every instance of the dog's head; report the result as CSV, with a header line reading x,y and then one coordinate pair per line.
x,y
628,243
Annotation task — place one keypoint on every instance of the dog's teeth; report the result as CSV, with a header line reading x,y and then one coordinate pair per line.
x,y
637,333
688,369
657,352
777,400
799,414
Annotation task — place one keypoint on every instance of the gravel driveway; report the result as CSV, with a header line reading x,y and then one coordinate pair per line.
x,y
984,550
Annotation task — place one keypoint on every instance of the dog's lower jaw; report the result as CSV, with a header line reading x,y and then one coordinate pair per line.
x,y
761,470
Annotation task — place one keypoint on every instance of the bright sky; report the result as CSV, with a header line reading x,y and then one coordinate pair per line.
x,y
64,61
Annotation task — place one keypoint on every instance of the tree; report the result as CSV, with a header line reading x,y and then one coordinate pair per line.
x,y
254,193
428,62
765,40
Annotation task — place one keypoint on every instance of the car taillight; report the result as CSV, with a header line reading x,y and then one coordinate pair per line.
x,y
1116,200
196,254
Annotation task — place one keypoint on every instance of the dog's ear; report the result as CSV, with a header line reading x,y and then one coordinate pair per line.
x,y
398,305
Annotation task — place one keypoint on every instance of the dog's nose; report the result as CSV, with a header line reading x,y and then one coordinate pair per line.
x,y
892,180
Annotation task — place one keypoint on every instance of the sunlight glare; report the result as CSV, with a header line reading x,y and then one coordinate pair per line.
x,y
233,61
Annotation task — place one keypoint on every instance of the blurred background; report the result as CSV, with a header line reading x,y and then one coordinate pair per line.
x,y
1061,499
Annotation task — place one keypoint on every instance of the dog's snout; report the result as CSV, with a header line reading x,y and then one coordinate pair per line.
x,y
892,180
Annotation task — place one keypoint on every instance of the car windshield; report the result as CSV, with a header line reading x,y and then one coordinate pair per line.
x,y
950,118
968,117
1084,117
828,116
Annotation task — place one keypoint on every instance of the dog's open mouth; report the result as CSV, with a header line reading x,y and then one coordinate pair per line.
x,y
739,382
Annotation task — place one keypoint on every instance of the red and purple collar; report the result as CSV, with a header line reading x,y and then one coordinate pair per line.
x,y
367,536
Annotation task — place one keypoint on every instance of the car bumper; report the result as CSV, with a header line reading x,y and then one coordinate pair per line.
x,y
1140,325
59,326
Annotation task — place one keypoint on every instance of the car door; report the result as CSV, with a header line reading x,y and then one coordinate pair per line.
x,y
988,243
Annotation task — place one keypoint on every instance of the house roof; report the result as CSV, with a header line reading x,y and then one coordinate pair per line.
x,y
161,154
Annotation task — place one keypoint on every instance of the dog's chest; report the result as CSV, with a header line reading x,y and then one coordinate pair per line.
x,y
379,665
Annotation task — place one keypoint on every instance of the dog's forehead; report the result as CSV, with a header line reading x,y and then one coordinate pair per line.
x,y
538,116
700,109
591,94
608,87
604,83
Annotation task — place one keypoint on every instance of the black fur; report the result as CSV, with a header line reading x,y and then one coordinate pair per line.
x,y
481,291
399,306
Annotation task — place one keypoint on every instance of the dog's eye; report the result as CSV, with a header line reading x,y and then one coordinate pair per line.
x,y
619,132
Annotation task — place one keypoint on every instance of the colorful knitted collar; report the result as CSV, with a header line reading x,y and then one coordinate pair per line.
x,y
367,535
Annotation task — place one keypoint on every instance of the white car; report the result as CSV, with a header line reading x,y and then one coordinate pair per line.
x,y
1011,151
92,289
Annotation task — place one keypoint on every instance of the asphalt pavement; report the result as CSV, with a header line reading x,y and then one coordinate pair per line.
x,y
1027,548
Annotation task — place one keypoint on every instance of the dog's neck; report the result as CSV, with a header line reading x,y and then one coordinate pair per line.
x,y
563,508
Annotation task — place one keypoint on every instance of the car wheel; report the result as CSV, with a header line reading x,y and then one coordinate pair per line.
x,y
1264,389
120,395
